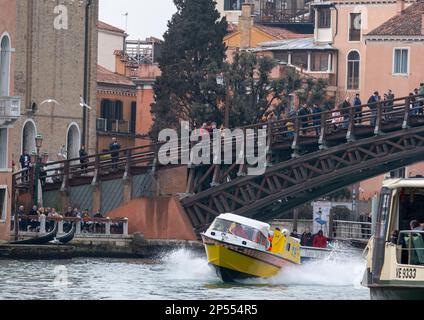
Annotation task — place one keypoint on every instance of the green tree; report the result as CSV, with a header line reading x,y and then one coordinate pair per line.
x,y
193,54
250,89
314,91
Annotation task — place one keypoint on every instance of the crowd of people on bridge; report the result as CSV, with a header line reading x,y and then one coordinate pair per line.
x,y
311,115
30,220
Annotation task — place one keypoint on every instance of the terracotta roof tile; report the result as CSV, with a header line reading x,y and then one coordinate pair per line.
x,y
409,23
232,27
281,33
106,76
104,26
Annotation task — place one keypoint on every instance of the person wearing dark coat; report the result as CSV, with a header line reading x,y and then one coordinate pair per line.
x,y
316,117
25,161
114,148
306,239
294,234
83,159
303,119
372,102
389,103
358,109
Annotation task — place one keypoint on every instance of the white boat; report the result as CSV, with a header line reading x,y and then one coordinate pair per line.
x,y
395,255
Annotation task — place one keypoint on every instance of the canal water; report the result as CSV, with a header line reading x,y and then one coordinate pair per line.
x,y
179,275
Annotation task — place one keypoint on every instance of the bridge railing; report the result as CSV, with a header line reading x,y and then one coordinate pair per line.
x,y
90,226
351,230
320,125
328,122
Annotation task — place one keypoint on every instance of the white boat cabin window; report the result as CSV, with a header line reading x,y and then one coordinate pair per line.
x,y
409,233
240,230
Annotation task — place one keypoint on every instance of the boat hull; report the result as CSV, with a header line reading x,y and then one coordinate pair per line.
x,y
236,263
397,293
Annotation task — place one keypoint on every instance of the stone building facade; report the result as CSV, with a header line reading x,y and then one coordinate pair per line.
x,y
50,51
9,111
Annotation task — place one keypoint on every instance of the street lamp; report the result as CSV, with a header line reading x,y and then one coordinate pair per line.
x,y
220,80
39,161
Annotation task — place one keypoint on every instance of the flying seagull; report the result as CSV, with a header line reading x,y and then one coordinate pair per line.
x,y
50,100
83,104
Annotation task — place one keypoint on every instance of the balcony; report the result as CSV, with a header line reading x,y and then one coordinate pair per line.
x,y
114,126
10,110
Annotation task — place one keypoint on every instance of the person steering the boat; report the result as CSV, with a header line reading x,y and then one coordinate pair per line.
x,y
270,239
238,231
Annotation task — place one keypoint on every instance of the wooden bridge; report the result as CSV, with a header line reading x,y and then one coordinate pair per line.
x,y
323,153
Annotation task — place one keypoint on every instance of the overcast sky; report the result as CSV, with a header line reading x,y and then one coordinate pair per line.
x,y
145,17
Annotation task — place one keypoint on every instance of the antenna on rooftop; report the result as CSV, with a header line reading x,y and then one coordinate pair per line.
x,y
126,21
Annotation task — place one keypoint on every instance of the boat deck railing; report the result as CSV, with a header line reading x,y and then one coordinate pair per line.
x,y
410,248
91,226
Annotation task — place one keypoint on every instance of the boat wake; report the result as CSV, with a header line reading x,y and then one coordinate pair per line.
x,y
184,264
343,267
338,270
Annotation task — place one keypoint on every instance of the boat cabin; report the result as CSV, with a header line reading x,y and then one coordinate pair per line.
x,y
250,231
401,219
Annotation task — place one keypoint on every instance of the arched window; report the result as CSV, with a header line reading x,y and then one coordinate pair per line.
x,y
4,66
353,69
29,132
73,141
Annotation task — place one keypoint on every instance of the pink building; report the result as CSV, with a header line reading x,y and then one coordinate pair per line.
x,y
344,25
9,110
394,54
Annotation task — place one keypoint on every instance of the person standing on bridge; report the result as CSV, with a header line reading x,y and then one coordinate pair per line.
x,y
421,99
83,159
389,103
372,104
114,148
303,114
358,108
25,161
316,117
345,109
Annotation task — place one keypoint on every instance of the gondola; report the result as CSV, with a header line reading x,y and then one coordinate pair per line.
x,y
68,237
45,239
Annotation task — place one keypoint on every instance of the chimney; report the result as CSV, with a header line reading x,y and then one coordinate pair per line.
x,y
422,24
245,24
400,6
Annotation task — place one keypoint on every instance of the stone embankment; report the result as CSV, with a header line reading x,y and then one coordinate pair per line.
x,y
101,246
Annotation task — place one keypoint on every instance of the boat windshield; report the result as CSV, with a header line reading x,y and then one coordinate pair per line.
x,y
240,230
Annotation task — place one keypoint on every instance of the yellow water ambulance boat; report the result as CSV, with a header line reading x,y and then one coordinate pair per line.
x,y
238,248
